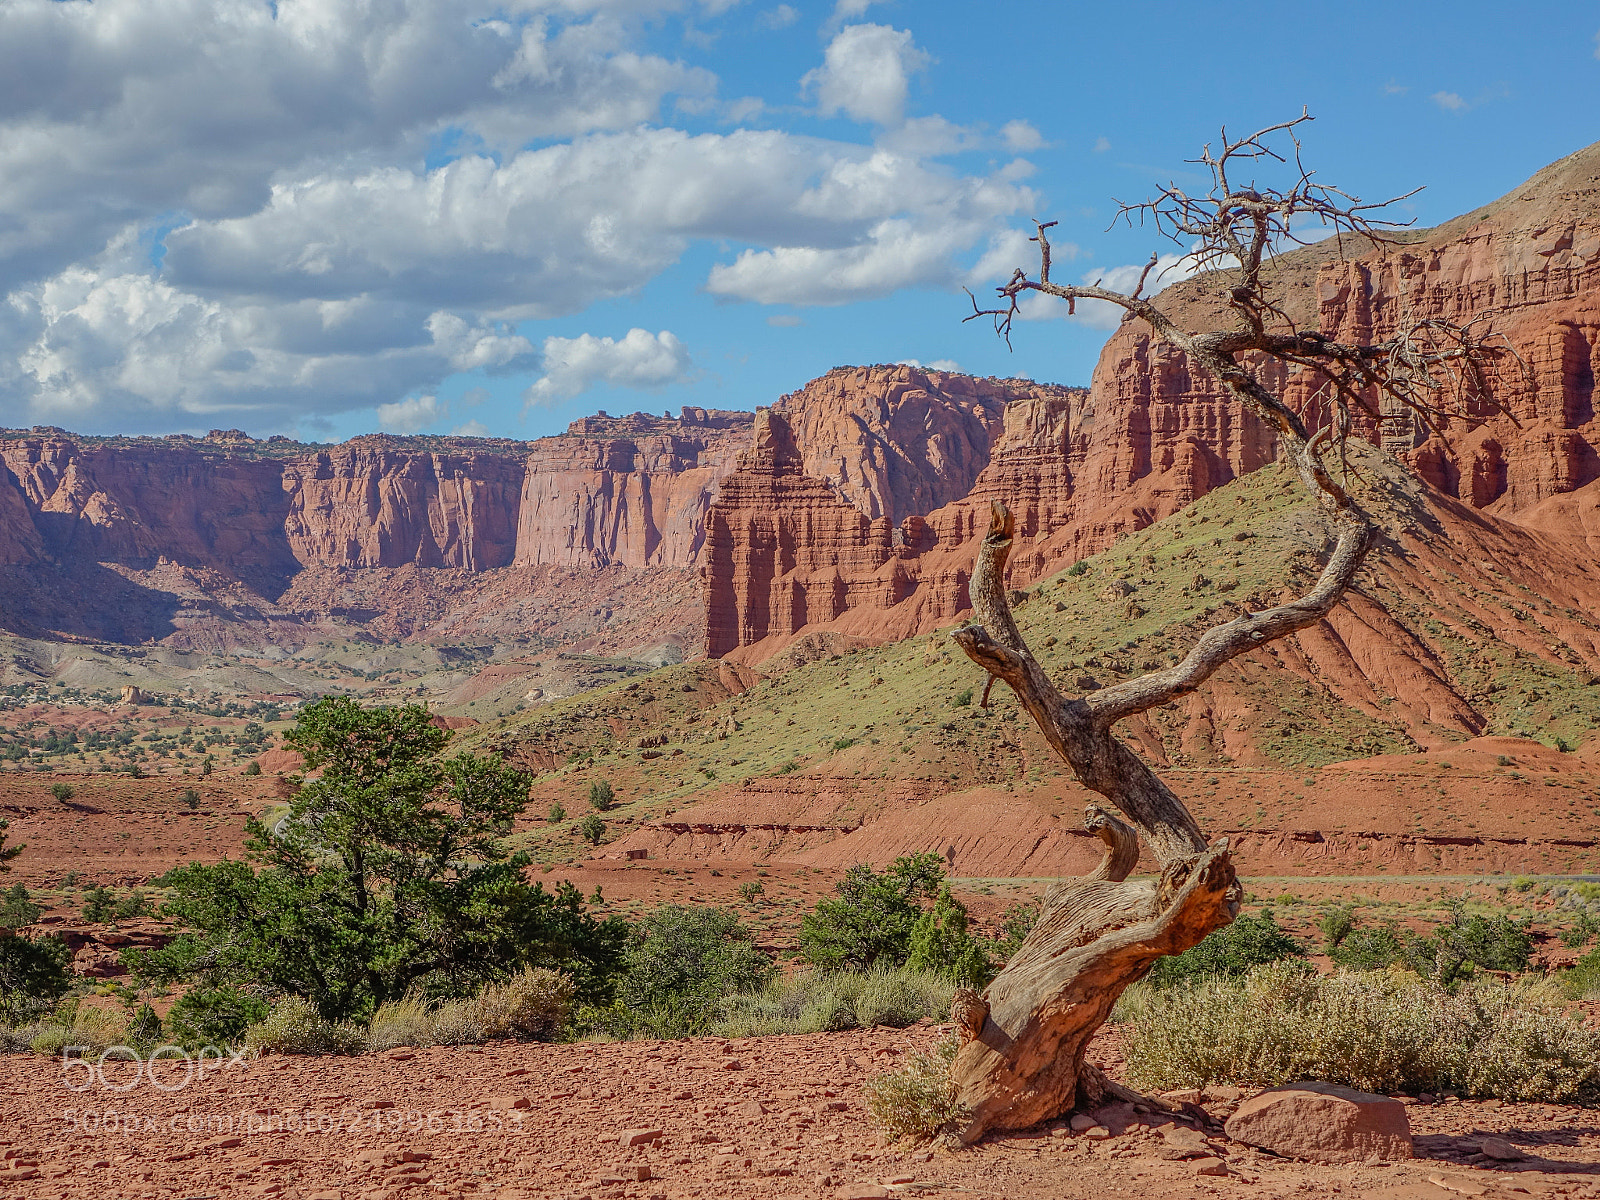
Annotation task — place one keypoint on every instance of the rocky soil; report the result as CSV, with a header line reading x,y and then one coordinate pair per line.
x,y
757,1118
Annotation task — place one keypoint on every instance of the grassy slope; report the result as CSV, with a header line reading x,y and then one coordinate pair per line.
x,y
896,712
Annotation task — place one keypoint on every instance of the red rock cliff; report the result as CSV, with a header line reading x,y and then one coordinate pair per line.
x,y
1153,433
633,491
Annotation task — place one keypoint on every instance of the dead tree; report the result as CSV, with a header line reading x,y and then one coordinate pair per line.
x,y
1098,934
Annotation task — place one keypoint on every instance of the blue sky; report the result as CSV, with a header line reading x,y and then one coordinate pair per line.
x,y
438,215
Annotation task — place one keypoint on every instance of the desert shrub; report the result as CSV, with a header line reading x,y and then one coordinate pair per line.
x,y
17,908
1228,952
1447,955
457,1023
1582,980
389,876
919,1099
99,903
62,791
872,915
940,943
295,1027
557,813
830,1001
252,768
532,1004
601,797
213,1017
681,961
404,1022
1335,925
190,799
593,829
1078,568
962,698
145,1029
1380,1031
751,890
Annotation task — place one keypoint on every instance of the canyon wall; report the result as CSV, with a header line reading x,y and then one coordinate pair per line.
x,y
163,538
1153,432
801,535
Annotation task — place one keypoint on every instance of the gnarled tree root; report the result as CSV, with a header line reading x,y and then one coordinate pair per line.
x,y
1093,939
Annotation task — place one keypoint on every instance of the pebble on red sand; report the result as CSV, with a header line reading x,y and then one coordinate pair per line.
x,y
1208,1166
505,1103
637,1137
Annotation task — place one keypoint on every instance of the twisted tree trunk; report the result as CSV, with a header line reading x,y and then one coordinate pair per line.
x,y
1098,934
1023,1061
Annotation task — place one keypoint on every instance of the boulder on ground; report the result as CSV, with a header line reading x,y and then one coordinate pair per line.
x,y
1323,1122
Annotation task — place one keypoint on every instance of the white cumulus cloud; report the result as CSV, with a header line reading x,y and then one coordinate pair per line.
x,y
866,73
640,360
1021,136
413,414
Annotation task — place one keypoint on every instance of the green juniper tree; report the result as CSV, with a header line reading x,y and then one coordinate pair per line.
x,y
390,874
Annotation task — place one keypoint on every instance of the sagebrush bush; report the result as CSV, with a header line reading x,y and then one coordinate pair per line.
x,y
534,1004
829,1001
458,1023
295,1027
1380,1031
919,1099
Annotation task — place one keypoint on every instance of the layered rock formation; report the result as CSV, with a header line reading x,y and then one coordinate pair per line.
x,y
222,540
788,548
1153,433
631,490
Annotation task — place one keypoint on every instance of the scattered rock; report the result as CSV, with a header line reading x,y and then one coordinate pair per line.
x,y
1499,1149
638,1137
1323,1122
506,1103
1210,1165
1458,1184
1081,1122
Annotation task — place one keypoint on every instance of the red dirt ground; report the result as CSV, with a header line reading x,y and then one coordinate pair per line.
x,y
759,1118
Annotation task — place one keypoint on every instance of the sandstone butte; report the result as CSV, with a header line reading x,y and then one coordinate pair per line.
x,y
1152,433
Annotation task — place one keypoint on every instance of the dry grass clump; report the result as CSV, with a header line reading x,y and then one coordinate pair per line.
x,y
919,1100
295,1027
406,1022
534,1004
823,1002
1380,1031
93,1029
